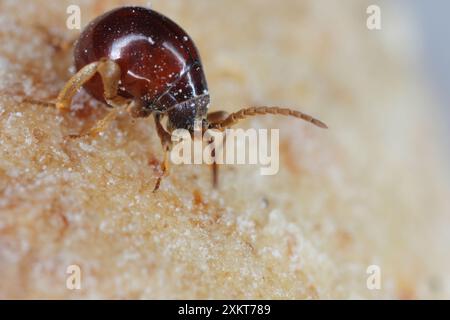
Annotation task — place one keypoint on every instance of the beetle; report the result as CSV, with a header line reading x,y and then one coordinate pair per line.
x,y
138,60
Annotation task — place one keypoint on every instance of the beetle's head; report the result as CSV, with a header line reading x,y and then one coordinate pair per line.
x,y
184,114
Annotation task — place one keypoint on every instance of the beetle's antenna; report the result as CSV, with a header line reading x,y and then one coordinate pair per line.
x,y
244,113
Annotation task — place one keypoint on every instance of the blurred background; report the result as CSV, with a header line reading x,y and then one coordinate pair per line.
x,y
433,28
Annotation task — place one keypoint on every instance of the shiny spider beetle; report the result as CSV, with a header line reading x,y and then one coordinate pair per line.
x,y
136,59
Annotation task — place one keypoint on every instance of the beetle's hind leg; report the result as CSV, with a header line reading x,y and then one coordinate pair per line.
x,y
166,142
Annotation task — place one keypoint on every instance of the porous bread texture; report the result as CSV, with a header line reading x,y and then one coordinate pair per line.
x,y
370,190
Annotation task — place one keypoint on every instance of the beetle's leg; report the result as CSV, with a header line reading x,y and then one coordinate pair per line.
x,y
242,114
214,118
74,84
100,125
215,170
214,165
166,142
38,102
110,73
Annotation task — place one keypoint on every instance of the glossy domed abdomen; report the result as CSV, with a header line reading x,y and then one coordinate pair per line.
x,y
159,62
